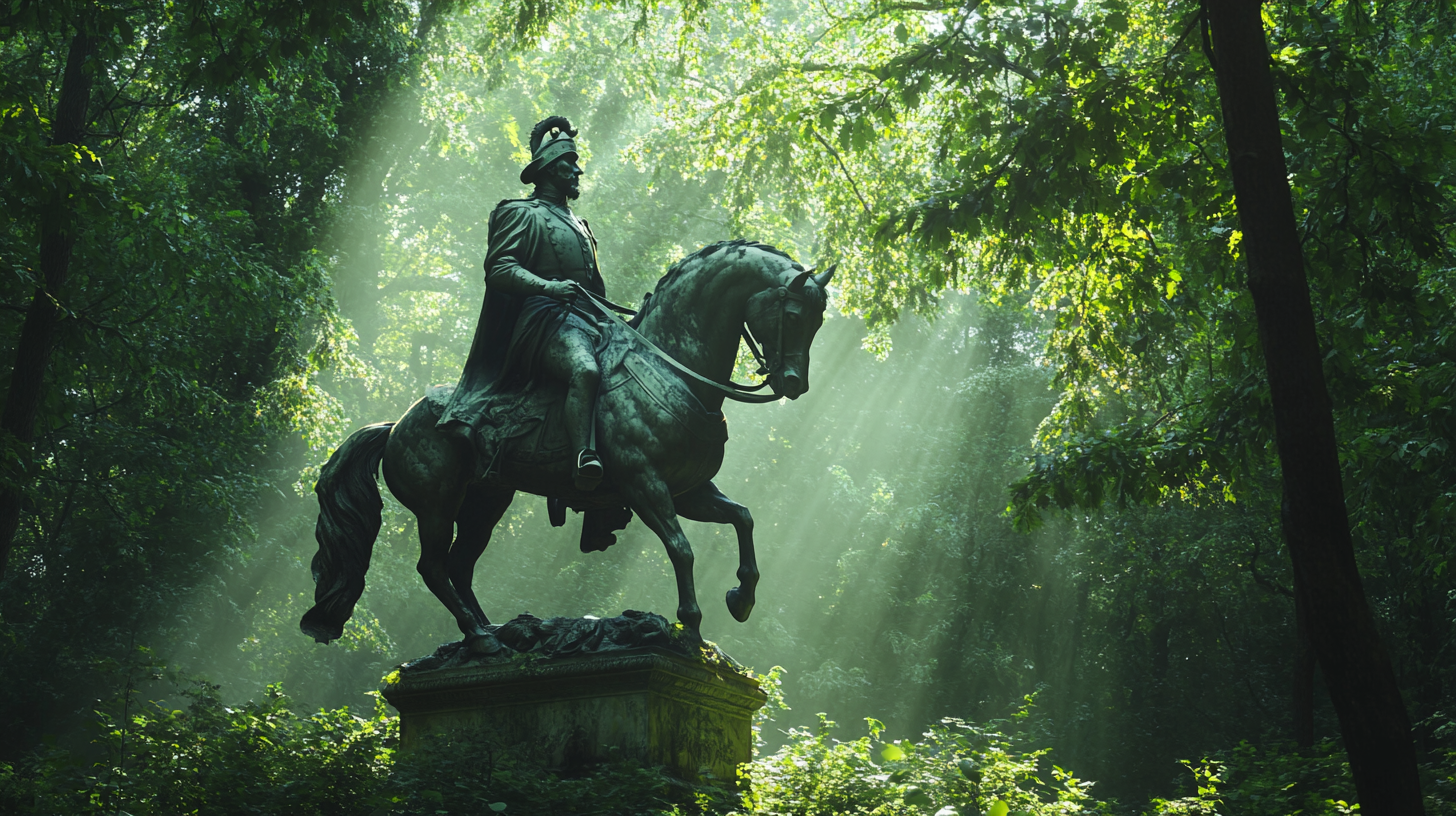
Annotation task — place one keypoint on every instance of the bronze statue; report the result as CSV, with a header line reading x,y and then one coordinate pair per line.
x,y
457,457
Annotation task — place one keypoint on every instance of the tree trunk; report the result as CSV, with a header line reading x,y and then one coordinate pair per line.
x,y
1341,627
38,332
1304,667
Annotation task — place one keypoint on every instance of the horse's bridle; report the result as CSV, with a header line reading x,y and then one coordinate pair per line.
x,y
790,299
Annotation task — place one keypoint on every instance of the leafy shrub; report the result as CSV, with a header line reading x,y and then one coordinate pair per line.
x,y
1278,778
261,758
957,769
211,758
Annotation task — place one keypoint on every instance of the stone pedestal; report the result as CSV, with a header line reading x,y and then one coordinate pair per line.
x,y
648,704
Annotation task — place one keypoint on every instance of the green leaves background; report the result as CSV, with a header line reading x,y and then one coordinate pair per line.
x,y
280,214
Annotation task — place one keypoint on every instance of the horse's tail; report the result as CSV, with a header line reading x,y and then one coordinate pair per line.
x,y
349,520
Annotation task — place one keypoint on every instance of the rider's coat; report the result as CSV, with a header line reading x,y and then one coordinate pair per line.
x,y
550,242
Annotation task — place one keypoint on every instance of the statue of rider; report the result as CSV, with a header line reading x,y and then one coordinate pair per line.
x,y
539,253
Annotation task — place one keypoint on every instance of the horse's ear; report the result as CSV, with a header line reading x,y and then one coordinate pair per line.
x,y
823,278
798,284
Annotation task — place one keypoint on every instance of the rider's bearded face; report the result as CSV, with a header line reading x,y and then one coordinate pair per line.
x,y
565,175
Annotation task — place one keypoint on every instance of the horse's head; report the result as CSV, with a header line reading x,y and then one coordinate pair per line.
x,y
785,318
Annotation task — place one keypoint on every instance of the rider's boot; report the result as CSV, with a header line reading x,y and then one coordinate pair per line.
x,y
581,404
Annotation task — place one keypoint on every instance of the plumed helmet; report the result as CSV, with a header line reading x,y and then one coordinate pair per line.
x,y
551,139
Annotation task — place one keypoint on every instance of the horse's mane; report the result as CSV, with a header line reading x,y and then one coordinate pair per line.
x,y
676,270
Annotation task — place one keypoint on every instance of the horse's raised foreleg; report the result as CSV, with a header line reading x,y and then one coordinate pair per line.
x,y
650,498
707,503
479,513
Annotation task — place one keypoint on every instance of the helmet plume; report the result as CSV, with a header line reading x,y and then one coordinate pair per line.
x,y
547,125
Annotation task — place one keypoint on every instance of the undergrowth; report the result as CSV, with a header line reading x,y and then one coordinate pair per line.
x,y
263,758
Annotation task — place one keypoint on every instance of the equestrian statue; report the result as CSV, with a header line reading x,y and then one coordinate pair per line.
x,y
562,398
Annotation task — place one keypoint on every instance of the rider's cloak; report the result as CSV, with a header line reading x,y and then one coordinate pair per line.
x,y
550,242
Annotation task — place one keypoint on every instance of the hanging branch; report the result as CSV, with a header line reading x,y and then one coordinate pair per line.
x,y
845,170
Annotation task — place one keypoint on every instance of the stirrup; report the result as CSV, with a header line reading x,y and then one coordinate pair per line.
x,y
589,470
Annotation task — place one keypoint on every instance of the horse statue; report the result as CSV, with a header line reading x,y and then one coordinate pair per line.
x,y
659,431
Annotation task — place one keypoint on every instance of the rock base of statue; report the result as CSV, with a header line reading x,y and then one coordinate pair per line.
x,y
577,691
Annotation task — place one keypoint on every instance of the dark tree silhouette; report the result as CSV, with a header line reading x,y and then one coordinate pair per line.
x,y
1327,582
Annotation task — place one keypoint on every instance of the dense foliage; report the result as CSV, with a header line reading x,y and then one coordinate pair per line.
x,y
278,210
263,758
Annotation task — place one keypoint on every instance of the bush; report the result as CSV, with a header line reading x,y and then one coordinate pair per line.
x,y
1278,778
258,758
957,769
261,758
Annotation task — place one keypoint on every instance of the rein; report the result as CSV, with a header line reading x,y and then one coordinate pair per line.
x,y
764,368
731,390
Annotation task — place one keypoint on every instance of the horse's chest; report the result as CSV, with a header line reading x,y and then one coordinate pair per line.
x,y
656,424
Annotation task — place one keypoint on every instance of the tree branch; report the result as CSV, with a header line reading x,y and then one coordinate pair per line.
x,y
845,170
1266,583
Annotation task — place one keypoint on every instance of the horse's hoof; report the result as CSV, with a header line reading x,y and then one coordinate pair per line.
x,y
738,605
485,644
691,636
692,622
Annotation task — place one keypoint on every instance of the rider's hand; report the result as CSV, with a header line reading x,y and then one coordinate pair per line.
x,y
560,290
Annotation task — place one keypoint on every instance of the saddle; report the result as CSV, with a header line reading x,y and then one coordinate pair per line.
x,y
524,424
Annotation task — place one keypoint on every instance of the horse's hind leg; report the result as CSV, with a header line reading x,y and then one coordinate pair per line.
x,y
707,503
650,498
428,472
437,530
479,513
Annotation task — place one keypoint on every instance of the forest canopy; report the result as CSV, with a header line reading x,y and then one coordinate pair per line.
x,y
1054,477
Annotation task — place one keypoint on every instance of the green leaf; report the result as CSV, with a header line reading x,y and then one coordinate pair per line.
x,y
876,727
914,795
998,808
892,753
